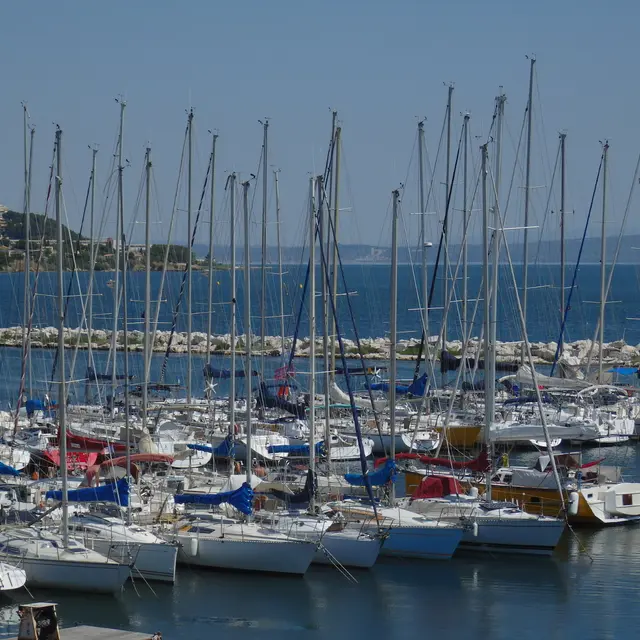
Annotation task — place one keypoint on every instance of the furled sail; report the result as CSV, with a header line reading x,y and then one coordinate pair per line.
x,y
117,492
240,498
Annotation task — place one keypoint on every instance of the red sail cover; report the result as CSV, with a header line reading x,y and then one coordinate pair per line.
x,y
76,461
479,464
437,487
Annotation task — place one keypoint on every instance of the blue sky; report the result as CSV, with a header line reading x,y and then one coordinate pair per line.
x,y
380,64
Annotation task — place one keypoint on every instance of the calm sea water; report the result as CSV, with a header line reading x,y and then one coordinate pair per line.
x,y
588,590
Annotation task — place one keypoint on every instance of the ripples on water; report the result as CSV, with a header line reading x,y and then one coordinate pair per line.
x,y
472,596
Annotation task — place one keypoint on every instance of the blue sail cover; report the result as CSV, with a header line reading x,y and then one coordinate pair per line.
x,y
625,371
301,450
386,473
224,450
416,388
240,498
118,493
6,470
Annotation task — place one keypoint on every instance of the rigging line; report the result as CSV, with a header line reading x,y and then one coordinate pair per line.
x,y
363,461
168,248
32,293
451,293
546,210
616,253
491,128
332,234
527,344
70,285
541,112
440,245
174,321
575,271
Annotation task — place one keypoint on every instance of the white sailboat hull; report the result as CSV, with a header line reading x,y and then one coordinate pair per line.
x,y
536,537
246,555
350,551
104,577
151,561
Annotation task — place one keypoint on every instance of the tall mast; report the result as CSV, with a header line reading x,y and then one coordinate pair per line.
x,y
312,328
147,291
62,388
28,253
280,274
445,222
500,100
116,288
423,236
393,333
232,242
125,325
247,324
324,216
263,286
92,257
189,256
527,188
211,230
465,224
28,151
489,393
334,283
563,137
603,259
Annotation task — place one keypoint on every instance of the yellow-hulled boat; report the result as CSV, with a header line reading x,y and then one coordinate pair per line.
x,y
462,436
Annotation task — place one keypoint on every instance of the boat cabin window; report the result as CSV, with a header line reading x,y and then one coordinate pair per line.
x,y
627,499
200,529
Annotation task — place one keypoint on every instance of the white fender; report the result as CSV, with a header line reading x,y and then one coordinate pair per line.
x,y
574,501
193,547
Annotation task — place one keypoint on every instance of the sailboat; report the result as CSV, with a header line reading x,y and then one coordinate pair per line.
x,y
408,534
495,526
220,541
50,559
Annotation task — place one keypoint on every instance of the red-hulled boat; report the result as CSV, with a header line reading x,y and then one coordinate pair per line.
x,y
82,442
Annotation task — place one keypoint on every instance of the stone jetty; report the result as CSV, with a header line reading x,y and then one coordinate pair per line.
x,y
575,353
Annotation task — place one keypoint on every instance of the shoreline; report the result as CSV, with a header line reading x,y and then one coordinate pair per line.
x,y
575,354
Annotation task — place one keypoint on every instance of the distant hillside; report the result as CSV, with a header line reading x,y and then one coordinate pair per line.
x,y
15,224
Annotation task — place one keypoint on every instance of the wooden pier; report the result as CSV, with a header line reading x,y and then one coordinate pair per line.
x,y
85,632
39,621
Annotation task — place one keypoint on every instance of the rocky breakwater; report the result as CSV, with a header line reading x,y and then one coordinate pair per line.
x,y
574,353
